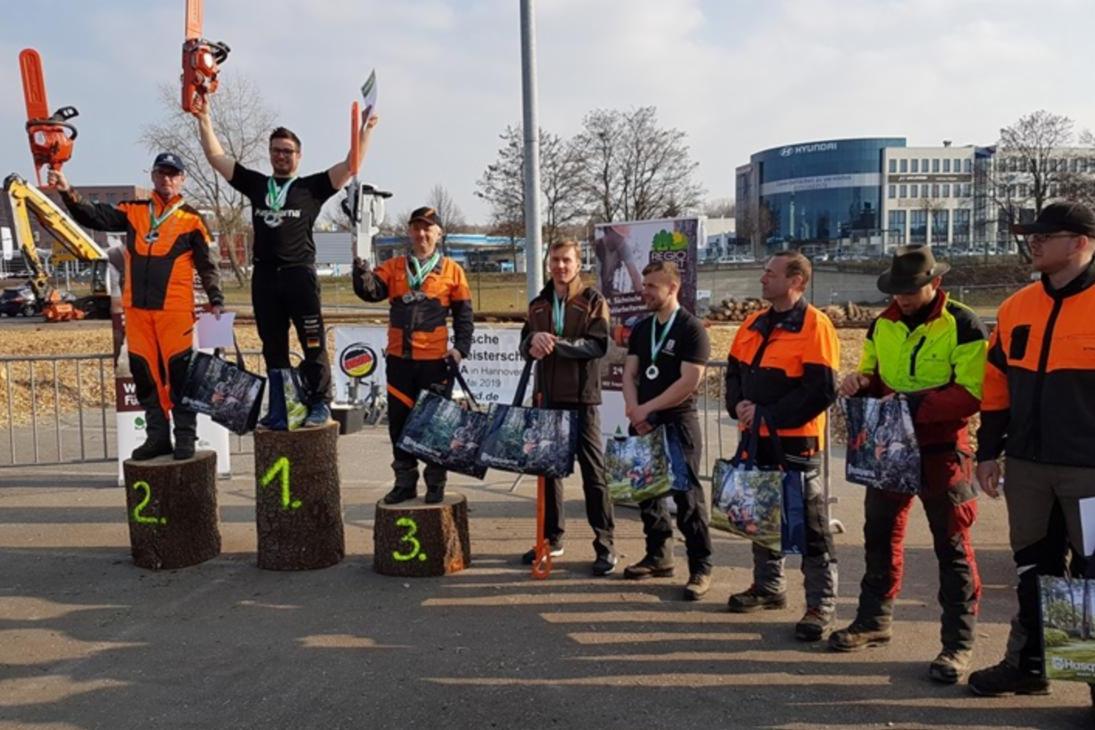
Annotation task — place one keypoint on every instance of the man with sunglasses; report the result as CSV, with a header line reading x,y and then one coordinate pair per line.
x,y
166,242
284,285
1039,410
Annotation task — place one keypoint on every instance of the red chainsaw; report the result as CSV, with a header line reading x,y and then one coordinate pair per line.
x,y
51,137
201,60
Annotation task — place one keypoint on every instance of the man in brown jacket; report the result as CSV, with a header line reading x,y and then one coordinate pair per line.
x,y
567,331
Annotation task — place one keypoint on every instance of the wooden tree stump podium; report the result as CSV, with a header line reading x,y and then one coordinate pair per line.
x,y
172,510
415,539
298,503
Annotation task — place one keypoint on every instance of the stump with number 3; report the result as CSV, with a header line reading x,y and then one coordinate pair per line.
x,y
172,510
414,539
298,502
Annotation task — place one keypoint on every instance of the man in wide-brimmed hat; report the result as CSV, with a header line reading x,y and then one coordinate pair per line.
x,y
929,349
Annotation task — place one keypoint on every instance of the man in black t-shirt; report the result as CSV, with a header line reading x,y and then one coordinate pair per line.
x,y
284,286
666,357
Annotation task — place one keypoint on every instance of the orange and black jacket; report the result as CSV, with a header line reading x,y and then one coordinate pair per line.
x,y
158,275
786,363
416,328
1039,402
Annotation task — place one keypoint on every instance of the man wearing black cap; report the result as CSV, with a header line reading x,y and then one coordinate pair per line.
x,y
1039,410
166,242
930,350
423,287
284,285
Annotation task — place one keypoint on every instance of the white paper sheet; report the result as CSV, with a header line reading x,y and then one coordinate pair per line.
x,y
1087,520
368,91
213,332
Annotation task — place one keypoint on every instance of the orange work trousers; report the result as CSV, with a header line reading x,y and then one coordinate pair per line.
x,y
160,342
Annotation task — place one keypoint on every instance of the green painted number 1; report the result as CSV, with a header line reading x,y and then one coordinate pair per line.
x,y
416,546
280,469
137,516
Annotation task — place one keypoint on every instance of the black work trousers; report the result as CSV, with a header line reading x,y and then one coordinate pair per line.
x,y
406,378
591,462
692,518
284,294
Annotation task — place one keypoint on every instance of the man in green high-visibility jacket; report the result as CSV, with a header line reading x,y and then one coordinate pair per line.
x,y
931,350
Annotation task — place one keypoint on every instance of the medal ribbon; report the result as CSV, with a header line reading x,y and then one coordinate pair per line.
x,y
276,194
155,222
657,343
421,271
558,313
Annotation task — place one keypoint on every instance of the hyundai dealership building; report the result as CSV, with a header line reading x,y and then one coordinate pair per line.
x,y
858,195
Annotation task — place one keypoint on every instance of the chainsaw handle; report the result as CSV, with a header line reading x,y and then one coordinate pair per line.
x,y
51,122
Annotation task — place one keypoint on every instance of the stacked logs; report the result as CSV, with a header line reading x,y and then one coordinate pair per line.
x,y
732,309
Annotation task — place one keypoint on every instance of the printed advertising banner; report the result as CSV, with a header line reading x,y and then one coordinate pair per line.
x,y
492,370
622,251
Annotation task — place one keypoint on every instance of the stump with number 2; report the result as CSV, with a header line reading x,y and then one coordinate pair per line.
x,y
414,539
298,502
172,509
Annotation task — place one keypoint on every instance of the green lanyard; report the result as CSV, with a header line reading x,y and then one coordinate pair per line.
x,y
276,194
558,313
421,271
154,222
656,342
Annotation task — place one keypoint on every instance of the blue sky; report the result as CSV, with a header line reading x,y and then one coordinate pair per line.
x,y
736,76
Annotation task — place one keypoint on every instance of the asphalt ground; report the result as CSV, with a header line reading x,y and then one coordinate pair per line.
x,y
87,640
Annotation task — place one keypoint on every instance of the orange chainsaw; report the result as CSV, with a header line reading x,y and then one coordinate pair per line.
x,y
201,60
51,137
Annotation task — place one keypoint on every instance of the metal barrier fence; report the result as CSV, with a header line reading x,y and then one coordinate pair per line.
x,y
59,409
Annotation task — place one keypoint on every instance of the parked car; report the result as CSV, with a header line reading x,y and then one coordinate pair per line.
x,y
18,300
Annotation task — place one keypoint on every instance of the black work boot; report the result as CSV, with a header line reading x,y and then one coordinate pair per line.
x,y
860,635
157,436
1004,679
756,599
186,432
435,478
406,483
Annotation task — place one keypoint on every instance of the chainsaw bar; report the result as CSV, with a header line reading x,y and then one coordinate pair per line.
x,y
34,84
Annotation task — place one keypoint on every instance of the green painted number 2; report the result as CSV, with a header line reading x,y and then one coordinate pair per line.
x,y
416,546
137,516
280,469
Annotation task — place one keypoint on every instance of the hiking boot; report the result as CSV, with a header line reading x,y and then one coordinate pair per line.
x,y
400,494
604,565
318,415
151,449
859,636
950,665
754,599
184,449
1004,679
555,550
697,586
648,567
435,495
814,625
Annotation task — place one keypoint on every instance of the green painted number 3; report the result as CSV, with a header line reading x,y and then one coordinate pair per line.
x,y
137,516
280,470
416,546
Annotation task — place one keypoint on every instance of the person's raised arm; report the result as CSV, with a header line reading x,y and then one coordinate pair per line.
x,y
341,173
218,159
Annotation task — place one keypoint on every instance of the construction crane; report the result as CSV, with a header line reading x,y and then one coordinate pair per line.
x,y
26,199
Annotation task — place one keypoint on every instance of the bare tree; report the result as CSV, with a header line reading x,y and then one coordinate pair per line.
x,y
719,208
502,183
1027,168
243,122
755,223
634,169
442,201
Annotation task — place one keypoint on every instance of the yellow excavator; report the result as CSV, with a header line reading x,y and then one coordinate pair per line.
x,y
26,199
